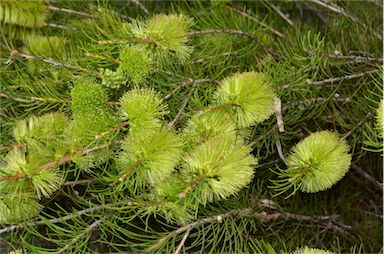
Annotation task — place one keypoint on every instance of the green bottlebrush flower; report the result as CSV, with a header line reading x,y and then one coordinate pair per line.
x,y
18,251
316,163
307,250
203,127
150,155
91,116
13,163
168,32
45,132
380,116
44,46
143,107
246,97
46,182
23,13
88,98
17,209
135,62
218,168
26,173
113,79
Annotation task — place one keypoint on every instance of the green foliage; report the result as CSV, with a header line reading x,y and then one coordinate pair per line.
x,y
44,46
92,92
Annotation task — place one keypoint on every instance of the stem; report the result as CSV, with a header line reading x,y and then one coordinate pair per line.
x,y
33,99
72,215
15,53
80,182
12,177
218,107
118,127
63,160
54,8
131,40
370,179
11,146
326,221
256,20
182,242
131,169
172,123
133,203
80,235
280,13
334,80
190,186
362,121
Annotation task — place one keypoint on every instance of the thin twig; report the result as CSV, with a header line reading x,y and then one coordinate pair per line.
x,y
11,146
141,6
280,13
33,99
80,182
189,95
54,8
130,40
15,53
182,242
57,26
279,115
220,31
376,184
131,169
188,82
79,236
55,220
307,102
280,150
362,121
269,132
274,31
334,80
339,10
356,58
201,60
262,216
73,215
339,79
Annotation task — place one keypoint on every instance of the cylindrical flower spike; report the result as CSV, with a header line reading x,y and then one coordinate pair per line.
x,y
380,117
168,33
23,13
307,250
143,107
218,168
14,209
150,155
203,127
247,97
316,163
135,62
